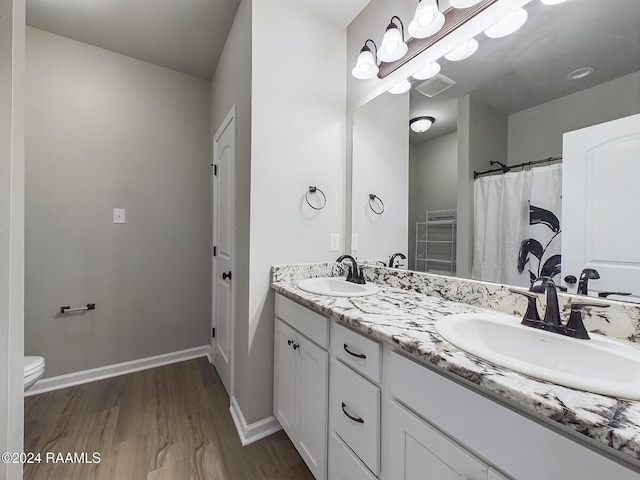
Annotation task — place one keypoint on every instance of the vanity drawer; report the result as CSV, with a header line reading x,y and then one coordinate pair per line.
x,y
354,412
314,326
343,463
359,352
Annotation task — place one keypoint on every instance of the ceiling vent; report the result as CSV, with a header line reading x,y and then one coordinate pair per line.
x,y
435,85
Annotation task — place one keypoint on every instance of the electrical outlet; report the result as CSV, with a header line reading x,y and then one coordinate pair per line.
x,y
118,215
335,242
354,242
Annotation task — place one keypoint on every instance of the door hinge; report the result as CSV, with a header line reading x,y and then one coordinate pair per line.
x,y
215,170
215,251
213,333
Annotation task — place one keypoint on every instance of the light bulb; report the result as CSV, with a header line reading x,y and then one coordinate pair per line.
x,y
427,72
427,21
402,87
463,51
365,66
508,24
393,47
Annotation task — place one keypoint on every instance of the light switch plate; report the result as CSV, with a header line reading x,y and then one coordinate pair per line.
x,y
118,215
354,242
335,242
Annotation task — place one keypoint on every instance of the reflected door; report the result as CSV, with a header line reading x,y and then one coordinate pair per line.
x,y
601,205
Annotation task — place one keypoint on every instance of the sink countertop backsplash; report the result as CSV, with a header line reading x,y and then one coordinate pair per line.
x,y
404,312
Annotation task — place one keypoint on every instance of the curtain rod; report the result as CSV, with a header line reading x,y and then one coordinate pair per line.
x,y
505,168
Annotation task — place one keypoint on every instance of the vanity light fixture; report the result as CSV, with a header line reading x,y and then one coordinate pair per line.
x,y
393,46
464,3
508,24
402,87
421,124
366,66
427,21
463,51
427,72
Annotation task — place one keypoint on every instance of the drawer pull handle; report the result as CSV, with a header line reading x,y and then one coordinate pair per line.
x,y
358,420
359,355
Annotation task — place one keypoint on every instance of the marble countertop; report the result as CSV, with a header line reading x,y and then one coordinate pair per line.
x,y
406,320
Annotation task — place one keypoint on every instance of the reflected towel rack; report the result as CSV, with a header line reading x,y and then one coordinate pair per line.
x,y
68,309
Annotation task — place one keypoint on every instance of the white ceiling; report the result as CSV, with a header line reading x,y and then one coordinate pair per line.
x,y
340,11
530,67
184,35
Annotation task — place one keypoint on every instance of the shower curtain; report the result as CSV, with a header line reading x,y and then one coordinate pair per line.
x,y
517,226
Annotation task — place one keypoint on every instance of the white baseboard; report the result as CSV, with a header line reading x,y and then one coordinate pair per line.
x,y
108,371
254,432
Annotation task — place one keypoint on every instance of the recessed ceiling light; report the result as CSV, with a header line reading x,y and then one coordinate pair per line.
x,y
421,124
402,87
508,24
580,73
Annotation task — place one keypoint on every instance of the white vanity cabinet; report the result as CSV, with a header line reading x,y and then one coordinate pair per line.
x,y
301,368
354,403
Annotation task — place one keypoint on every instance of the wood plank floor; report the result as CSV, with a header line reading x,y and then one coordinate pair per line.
x,y
166,423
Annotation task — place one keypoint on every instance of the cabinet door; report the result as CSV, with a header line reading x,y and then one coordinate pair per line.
x,y
423,453
284,393
343,463
312,397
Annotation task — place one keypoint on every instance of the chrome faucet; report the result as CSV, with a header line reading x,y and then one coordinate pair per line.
x,y
393,257
353,275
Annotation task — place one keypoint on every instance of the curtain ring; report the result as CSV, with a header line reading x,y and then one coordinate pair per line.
x,y
372,198
316,190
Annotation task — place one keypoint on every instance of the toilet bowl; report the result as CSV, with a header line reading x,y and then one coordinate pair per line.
x,y
33,370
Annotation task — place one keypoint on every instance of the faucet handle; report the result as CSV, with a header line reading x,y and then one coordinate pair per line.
x,y
575,325
531,317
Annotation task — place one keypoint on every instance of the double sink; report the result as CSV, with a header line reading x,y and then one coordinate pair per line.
x,y
598,365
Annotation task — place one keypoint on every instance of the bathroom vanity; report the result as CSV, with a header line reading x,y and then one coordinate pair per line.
x,y
402,402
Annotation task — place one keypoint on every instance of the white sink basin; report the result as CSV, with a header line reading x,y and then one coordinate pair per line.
x,y
599,365
336,287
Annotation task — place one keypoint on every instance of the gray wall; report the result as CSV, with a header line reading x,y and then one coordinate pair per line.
x,y
433,168
11,231
482,137
105,131
231,84
536,133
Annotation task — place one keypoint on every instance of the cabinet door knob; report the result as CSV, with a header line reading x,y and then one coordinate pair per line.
x,y
289,342
226,275
351,417
359,355
295,346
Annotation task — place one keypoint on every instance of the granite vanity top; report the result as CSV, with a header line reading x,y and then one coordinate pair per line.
x,y
406,319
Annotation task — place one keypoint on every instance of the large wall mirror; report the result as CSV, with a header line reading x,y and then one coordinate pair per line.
x,y
572,65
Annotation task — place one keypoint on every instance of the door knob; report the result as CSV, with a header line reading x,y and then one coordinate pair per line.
x,y
226,275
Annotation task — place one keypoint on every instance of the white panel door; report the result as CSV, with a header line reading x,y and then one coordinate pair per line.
x,y
600,204
223,226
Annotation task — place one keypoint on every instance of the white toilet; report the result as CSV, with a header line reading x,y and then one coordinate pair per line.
x,y
33,370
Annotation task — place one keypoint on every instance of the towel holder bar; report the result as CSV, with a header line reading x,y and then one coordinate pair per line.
x,y
68,309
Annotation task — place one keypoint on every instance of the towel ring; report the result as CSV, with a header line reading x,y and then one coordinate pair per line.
x,y
372,198
316,190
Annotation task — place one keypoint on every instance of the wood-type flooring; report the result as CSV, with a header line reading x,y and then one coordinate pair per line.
x,y
166,423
